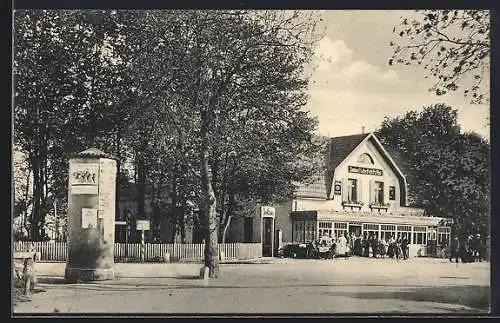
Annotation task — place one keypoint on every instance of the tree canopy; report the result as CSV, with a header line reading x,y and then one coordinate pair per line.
x,y
207,105
453,47
448,172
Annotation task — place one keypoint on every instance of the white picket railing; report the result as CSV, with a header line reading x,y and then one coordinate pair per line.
x,y
131,252
50,251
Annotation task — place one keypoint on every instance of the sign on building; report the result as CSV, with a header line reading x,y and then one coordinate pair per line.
x,y
337,188
365,171
267,211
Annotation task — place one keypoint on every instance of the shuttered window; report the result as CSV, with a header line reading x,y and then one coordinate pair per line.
x,y
352,190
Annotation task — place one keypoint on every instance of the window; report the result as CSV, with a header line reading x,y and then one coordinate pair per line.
x,y
365,159
303,231
420,235
340,225
334,229
368,226
310,230
352,190
387,231
404,231
298,231
378,192
406,228
392,193
340,228
432,234
325,229
325,225
443,235
370,229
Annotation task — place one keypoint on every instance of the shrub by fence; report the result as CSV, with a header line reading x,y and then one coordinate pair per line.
x,y
131,252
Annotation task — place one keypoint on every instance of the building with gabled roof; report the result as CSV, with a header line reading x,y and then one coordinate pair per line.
x,y
362,191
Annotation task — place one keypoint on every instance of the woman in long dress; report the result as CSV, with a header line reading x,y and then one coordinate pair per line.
x,y
342,249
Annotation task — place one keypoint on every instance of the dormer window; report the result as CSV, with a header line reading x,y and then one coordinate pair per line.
x,y
365,159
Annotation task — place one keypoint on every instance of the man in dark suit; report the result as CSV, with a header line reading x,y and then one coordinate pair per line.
x,y
404,247
454,249
366,246
374,245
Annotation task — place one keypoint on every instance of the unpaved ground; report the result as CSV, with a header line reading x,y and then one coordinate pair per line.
x,y
357,285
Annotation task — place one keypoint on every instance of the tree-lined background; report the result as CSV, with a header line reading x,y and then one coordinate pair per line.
x,y
206,107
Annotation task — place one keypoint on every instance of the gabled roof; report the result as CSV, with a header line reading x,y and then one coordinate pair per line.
x,y
341,147
398,159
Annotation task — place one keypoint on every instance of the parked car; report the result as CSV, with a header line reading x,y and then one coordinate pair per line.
x,y
297,250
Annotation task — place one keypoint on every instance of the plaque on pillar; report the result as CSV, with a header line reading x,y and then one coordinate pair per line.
x,y
89,218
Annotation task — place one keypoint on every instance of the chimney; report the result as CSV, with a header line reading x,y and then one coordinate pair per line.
x,y
363,129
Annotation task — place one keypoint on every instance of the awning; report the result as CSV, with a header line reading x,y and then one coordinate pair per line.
x,y
304,215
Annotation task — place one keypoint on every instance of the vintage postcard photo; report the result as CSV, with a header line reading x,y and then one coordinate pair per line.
x,y
251,162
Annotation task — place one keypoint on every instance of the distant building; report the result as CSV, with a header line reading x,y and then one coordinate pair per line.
x,y
362,191
157,209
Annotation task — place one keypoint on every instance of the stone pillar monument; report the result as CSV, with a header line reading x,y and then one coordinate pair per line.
x,y
91,217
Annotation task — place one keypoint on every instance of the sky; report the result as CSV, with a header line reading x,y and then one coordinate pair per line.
x,y
353,86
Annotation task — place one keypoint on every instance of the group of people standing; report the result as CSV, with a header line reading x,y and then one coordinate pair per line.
x,y
392,246
338,245
346,245
468,249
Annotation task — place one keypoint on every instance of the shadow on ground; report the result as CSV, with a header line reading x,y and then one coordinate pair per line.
x,y
477,297
51,280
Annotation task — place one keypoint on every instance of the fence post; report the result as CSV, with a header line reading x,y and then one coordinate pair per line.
x,y
142,246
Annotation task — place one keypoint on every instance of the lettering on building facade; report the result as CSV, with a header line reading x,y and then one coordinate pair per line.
x,y
268,211
365,171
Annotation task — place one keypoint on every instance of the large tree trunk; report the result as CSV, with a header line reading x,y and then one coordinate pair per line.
x,y
141,188
37,193
175,209
26,197
212,254
210,205
228,222
182,218
229,213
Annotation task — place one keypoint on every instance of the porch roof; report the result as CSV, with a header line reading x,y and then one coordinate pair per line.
x,y
364,217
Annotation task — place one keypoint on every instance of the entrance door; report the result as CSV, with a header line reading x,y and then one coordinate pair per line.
x,y
267,236
355,228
